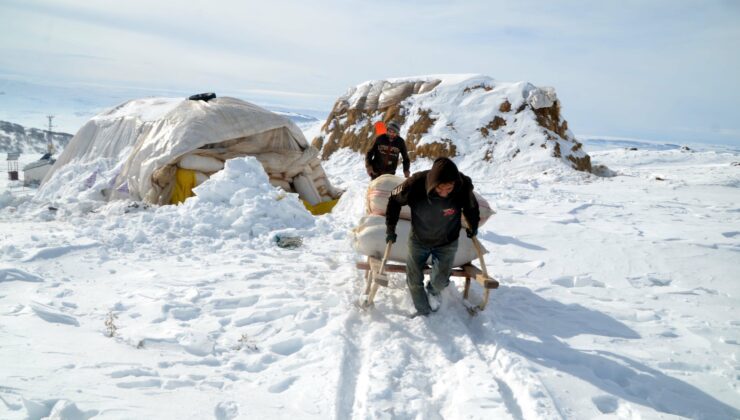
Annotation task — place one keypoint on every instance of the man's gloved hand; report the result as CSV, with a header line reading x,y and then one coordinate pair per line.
x,y
406,174
370,172
471,232
391,237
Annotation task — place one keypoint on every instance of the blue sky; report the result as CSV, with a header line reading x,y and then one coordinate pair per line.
x,y
661,70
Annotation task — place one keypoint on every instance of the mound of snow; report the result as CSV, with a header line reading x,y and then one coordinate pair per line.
x,y
512,127
236,203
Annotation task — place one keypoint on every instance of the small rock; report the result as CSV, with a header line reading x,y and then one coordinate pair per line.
x,y
289,242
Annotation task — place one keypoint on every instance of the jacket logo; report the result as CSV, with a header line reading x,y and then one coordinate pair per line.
x,y
448,212
388,150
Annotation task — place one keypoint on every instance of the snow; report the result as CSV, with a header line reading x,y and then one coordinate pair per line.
x,y
145,110
618,299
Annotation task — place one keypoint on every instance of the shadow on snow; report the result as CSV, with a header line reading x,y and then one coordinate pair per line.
x,y
519,311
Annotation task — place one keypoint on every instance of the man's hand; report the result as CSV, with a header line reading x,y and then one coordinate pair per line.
x,y
471,232
406,174
391,237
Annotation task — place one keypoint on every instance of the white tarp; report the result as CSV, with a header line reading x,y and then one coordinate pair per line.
x,y
150,136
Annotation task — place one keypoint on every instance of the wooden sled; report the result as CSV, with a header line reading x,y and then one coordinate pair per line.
x,y
376,270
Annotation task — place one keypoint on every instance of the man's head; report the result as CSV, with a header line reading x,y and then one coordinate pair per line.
x,y
443,177
393,129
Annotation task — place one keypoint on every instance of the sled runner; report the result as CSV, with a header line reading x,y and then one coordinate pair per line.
x,y
377,269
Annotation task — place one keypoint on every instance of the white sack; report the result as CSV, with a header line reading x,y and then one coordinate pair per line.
x,y
380,190
200,178
206,164
369,239
285,185
306,189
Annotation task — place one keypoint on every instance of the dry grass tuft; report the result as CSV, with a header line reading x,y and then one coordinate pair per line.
x,y
435,150
419,128
549,118
496,123
481,86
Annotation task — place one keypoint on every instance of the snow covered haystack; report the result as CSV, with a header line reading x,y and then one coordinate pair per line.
x,y
504,124
142,147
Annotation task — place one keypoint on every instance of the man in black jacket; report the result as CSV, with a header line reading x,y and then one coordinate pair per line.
x,y
382,158
437,199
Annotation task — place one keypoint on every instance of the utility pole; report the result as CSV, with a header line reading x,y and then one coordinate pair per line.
x,y
49,145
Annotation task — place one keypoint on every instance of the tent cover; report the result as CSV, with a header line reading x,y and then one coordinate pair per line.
x,y
151,138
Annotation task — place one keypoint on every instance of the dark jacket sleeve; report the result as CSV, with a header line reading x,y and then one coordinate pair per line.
x,y
470,204
370,155
399,198
405,156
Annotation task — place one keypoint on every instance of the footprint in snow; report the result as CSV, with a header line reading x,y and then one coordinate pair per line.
x,y
606,403
181,312
234,303
281,386
147,383
136,372
226,410
287,347
176,383
254,366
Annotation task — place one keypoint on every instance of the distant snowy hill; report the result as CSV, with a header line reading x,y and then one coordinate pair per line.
x,y
301,120
15,138
516,126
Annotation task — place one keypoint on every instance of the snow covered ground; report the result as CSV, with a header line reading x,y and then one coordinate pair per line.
x,y
618,299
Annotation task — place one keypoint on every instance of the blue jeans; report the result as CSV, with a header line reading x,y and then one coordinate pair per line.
x,y
442,258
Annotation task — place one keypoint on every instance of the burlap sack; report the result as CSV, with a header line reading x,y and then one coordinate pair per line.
x,y
380,190
369,239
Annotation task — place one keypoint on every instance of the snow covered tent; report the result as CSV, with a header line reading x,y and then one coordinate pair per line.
x,y
158,140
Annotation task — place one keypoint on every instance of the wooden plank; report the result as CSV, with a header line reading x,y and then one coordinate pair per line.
x,y
477,274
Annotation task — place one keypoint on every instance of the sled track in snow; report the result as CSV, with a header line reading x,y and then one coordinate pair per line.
x,y
351,363
523,392
382,342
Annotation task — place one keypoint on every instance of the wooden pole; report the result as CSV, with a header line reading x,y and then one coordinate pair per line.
x,y
381,272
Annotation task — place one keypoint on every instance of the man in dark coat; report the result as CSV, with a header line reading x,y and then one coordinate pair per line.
x,y
437,198
382,158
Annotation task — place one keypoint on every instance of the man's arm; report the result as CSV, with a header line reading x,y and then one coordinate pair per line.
x,y
399,198
369,156
406,160
470,207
